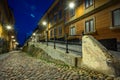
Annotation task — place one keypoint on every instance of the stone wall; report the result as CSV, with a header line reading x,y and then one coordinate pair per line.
x,y
94,56
98,58
53,55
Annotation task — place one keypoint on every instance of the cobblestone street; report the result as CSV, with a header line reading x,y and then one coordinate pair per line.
x,y
19,66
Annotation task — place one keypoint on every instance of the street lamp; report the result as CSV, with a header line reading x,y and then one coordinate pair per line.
x,y
44,23
12,37
14,40
34,34
16,43
71,5
8,27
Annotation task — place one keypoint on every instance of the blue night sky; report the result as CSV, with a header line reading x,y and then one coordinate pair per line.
x,y
27,13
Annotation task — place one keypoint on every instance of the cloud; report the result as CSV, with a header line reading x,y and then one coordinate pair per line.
x,y
32,15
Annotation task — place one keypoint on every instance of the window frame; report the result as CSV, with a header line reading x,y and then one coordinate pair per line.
x,y
51,33
60,31
0,17
113,22
60,15
89,5
73,27
90,31
55,18
72,11
55,31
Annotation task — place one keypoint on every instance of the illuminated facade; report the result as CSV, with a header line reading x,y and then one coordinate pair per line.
x,y
6,27
99,18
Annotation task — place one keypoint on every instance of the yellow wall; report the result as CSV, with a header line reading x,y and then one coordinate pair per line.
x,y
0,30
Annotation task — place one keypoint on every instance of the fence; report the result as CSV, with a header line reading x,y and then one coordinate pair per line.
x,y
66,45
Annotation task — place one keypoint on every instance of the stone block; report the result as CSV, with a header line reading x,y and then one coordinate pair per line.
x,y
97,57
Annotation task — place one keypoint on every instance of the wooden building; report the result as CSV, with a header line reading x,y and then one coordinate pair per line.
x,y
99,18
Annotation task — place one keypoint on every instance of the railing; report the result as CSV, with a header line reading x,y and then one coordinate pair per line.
x,y
68,46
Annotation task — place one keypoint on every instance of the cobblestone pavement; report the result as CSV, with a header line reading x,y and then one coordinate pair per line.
x,y
19,66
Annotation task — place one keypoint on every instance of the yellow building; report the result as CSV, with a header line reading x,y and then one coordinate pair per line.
x,y
99,18
6,27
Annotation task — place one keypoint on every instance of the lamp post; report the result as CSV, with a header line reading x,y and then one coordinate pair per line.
x,y
44,23
66,41
47,37
54,41
34,37
8,27
12,43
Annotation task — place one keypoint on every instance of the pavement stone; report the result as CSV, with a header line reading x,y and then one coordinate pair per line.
x,y
19,66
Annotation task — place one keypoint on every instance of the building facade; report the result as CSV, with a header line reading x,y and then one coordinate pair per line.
x,y
99,18
6,20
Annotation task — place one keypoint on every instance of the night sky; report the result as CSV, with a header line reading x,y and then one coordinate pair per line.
x,y
27,13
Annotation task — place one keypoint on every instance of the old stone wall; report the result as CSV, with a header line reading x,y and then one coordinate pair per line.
x,y
97,57
94,56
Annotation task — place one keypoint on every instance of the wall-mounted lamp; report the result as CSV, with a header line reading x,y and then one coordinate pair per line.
x,y
14,40
16,43
44,23
12,37
8,27
34,34
71,5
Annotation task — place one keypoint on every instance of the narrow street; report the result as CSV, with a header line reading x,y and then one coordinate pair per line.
x,y
17,65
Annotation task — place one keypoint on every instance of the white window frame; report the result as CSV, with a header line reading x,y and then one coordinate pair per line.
x,y
51,33
90,29
60,32
113,18
71,30
89,3
72,12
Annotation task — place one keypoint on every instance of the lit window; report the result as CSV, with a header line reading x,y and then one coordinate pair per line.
x,y
116,18
60,31
72,30
88,3
89,26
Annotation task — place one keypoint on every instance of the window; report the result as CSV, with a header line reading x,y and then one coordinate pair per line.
x,y
72,30
60,14
60,31
55,31
55,18
51,34
88,3
0,17
116,18
65,15
89,26
50,19
72,12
